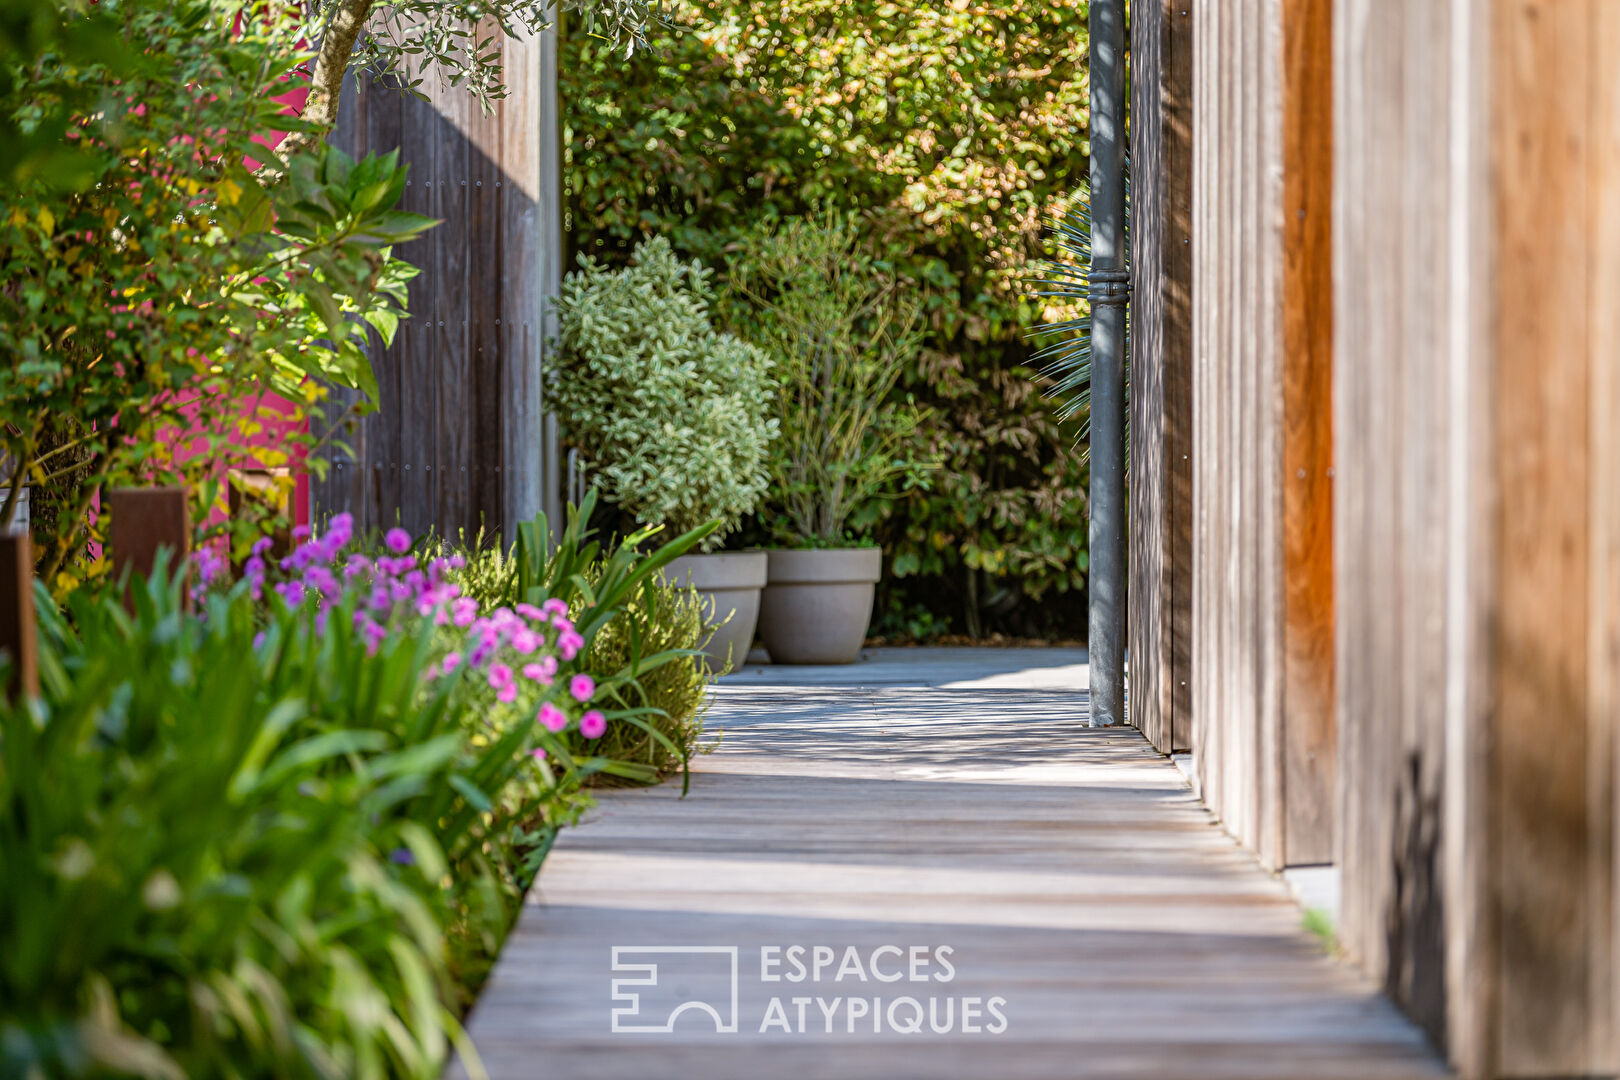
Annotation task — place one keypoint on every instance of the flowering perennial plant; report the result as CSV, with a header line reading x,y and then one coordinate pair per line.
x,y
501,657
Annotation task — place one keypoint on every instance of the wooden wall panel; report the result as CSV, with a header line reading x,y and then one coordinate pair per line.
x,y
1310,753
1553,862
1393,488
1160,702
1603,488
459,440
1262,358
1477,245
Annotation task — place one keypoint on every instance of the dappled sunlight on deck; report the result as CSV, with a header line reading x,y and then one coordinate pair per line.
x,y
1070,870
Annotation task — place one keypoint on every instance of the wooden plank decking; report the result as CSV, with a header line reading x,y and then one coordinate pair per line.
x,y
1070,870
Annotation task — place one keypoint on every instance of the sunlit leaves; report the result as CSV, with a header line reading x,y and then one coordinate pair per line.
x,y
149,304
955,131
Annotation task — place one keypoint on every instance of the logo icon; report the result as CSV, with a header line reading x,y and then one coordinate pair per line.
x,y
674,980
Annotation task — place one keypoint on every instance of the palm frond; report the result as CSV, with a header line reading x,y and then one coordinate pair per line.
x,y
1064,356
1065,353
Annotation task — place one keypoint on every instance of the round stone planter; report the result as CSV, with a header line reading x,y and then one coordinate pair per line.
x,y
729,582
817,604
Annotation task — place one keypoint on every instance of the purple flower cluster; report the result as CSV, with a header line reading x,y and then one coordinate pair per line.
x,y
507,648
208,564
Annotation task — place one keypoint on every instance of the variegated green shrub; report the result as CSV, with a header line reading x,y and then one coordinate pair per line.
x,y
674,418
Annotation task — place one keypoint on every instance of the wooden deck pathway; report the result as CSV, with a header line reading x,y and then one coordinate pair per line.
x,y
929,799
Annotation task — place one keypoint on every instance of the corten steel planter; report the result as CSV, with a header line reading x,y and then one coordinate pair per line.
x,y
817,604
729,583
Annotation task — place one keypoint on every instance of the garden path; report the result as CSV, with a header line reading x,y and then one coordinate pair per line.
x,y
925,798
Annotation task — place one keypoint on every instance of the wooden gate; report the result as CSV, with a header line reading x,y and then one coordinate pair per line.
x,y
460,439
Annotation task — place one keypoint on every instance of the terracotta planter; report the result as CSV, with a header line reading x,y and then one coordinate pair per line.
x,y
817,604
729,582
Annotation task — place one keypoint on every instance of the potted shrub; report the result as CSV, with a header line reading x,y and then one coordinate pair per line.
x,y
673,418
840,331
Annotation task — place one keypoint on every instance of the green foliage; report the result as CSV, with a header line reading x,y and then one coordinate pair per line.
x,y
378,794
160,300
1318,922
411,39
598,584
650,643
235,844
488,573
34,143
955,131
841,332
1067,292
660,618
672,416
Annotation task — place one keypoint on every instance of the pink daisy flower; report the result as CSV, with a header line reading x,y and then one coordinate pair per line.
x,y
582,687
551,717
593,725
569,645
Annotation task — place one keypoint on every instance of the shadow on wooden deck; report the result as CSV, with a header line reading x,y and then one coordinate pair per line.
x,y
1070,872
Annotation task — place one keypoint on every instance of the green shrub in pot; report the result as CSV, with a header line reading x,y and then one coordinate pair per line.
x,y
841,330
675,419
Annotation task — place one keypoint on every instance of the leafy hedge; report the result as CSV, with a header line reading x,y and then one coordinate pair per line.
x,y
285,833
955,130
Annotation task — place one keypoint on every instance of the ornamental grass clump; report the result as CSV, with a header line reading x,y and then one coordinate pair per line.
x,y
674,418
661,617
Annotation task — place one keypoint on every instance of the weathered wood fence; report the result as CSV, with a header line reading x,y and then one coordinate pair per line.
x,y
1404,356
461,439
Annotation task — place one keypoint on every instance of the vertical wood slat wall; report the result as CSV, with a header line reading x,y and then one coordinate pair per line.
x,y
1393,248
458,441
1262,595
1477,281
1160,616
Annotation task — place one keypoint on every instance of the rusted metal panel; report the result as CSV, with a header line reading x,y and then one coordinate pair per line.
x,y
144,522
